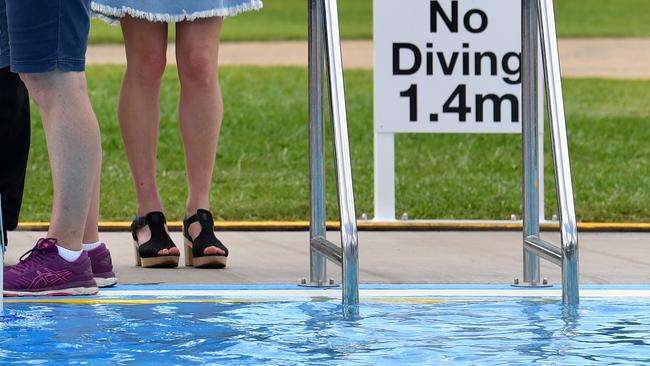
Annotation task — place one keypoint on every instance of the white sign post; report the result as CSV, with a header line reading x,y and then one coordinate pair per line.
x,y
443,66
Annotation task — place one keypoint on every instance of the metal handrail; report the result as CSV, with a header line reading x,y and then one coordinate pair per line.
x,y
325,48
538,23
317,227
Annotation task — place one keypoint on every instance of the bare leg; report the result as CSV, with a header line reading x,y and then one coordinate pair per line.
x,y
91,231
138,113
200,110
146,47
74,149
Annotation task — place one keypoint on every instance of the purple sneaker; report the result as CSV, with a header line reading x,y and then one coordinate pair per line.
x,y
45,273
102,265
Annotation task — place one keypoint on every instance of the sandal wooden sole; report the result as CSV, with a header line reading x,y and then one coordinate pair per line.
x,y
164,261
208,261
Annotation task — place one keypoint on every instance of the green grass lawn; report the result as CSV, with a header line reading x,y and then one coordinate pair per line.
x,y
287,20
279,20
262,165
602,18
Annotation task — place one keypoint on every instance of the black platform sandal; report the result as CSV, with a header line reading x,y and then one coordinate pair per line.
x,y
194,249
146,254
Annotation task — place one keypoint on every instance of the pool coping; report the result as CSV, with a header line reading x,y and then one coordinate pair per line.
x,y
415,293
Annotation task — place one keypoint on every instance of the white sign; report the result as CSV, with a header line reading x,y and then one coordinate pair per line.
x,y
447,66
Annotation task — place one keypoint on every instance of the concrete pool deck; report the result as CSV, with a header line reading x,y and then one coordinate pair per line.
x,y
438,257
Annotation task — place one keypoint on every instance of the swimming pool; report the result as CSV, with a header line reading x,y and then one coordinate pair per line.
x,y
286,325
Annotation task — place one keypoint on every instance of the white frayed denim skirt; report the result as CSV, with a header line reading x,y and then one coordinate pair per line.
x,y
170,11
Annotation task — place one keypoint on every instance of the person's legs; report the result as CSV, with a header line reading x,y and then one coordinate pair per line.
x,y
146,49
14,145
47,44
91,229
72,136
47,47
146,46
100,257
200,110
14,132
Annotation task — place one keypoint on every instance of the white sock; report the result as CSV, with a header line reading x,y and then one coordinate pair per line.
x,y
69,255
91,246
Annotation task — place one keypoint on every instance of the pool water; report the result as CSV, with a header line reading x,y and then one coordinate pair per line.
x,y
187,330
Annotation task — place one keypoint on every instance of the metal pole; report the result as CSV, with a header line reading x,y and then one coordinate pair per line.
x,y
317,262
530,143
384,163
349,240
563,184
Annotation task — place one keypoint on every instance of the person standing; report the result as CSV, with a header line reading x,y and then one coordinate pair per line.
x,y
45,43
198,27
14,145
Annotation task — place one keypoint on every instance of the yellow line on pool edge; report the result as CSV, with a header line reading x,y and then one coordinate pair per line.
x,y
367,225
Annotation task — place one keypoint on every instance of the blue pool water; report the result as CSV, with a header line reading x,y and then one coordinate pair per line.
x,y
279,330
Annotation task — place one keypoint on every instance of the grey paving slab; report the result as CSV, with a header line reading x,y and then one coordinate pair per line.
x,y
385,257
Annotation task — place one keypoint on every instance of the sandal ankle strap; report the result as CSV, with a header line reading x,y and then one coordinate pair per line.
x,y
203,217
155,220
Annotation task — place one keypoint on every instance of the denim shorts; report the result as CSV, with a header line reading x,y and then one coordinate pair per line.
x,y
44,35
